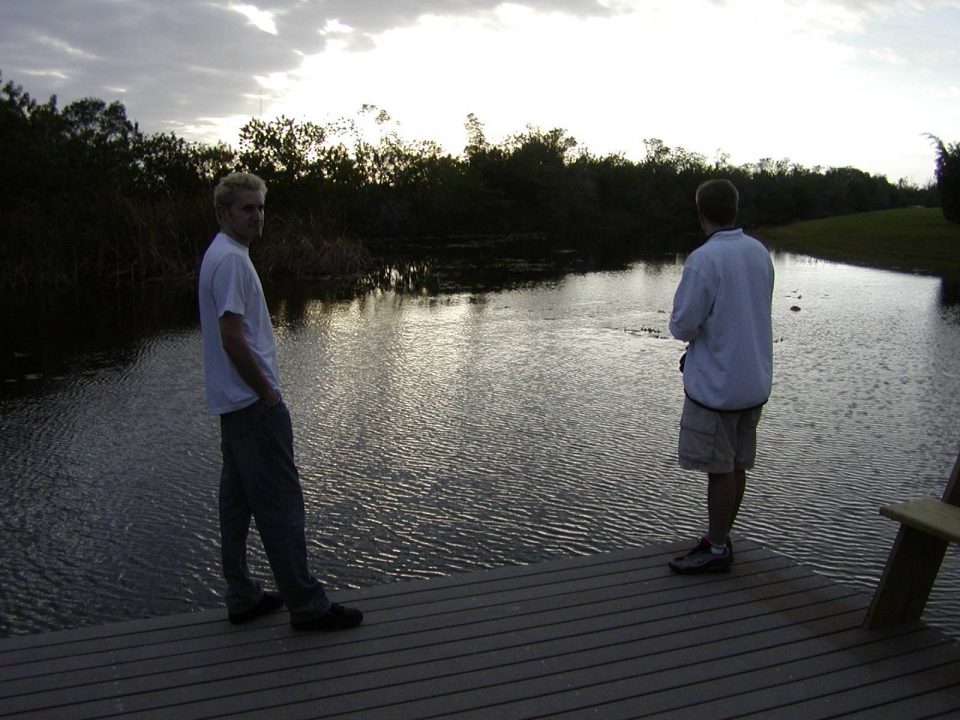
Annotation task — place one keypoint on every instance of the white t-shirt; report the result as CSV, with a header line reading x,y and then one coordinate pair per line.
x,y
229,283
722,309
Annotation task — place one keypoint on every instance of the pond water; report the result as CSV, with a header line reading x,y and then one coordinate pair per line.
x,y
450,432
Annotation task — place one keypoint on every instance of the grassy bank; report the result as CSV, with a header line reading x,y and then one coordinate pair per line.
x,y
916,240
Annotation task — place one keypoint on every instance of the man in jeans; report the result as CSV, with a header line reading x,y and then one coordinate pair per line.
x,y
259,478
722,310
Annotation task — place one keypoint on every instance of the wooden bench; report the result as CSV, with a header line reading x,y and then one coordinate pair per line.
x,y
927,527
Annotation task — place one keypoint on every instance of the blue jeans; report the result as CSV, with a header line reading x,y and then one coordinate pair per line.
x,y
260,480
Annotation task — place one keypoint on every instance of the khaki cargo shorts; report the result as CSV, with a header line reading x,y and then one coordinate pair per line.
x,y
717,442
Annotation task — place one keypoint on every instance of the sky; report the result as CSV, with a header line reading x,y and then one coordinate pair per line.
x,y
820,83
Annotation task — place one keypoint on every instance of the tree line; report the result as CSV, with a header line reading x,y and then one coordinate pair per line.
x,y
948,177
88,196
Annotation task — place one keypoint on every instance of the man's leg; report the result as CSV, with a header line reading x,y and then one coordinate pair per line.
x,y
707,440
272,485
741,477
724,495
712,555
243,592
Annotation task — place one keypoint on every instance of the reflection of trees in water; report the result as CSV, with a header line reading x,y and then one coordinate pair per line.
x,y
43,330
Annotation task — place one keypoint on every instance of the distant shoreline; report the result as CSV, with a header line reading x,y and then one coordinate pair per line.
x,y
913,240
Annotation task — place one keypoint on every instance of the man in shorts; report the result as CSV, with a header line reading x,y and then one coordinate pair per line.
x,y
722,310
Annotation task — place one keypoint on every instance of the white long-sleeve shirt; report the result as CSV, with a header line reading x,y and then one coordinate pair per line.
x,y
722,309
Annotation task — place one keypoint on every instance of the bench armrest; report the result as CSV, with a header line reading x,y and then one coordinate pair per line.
x,y
930,515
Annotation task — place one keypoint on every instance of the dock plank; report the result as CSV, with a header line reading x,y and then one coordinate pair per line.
x,y
613,635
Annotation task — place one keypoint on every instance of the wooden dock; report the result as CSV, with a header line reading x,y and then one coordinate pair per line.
x,y
604,636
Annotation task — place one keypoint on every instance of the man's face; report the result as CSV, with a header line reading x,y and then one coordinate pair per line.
x,y
243,219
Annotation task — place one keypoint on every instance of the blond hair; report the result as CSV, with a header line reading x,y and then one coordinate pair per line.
x,y
223,194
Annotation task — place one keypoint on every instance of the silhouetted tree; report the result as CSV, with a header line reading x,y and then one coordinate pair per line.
x,y
476,138
948,178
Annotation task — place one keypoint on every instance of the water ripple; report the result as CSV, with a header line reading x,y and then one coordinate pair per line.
x,y
442,435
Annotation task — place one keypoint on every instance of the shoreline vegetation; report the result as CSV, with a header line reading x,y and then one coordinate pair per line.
x,y
913,240
90,199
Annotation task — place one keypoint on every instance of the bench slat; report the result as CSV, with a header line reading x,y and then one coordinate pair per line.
x,y
930,515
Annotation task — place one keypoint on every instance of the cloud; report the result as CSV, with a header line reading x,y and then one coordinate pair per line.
x,y
174,59
183,61
260,19
375,16
610,71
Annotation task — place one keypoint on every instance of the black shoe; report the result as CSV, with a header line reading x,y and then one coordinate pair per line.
x,y
702,560
268,603
337,617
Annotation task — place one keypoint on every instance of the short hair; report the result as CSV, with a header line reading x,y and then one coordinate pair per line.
x,y
718,201
224,192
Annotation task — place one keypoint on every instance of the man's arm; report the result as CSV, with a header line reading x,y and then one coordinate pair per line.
x,y
237,349
691,305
